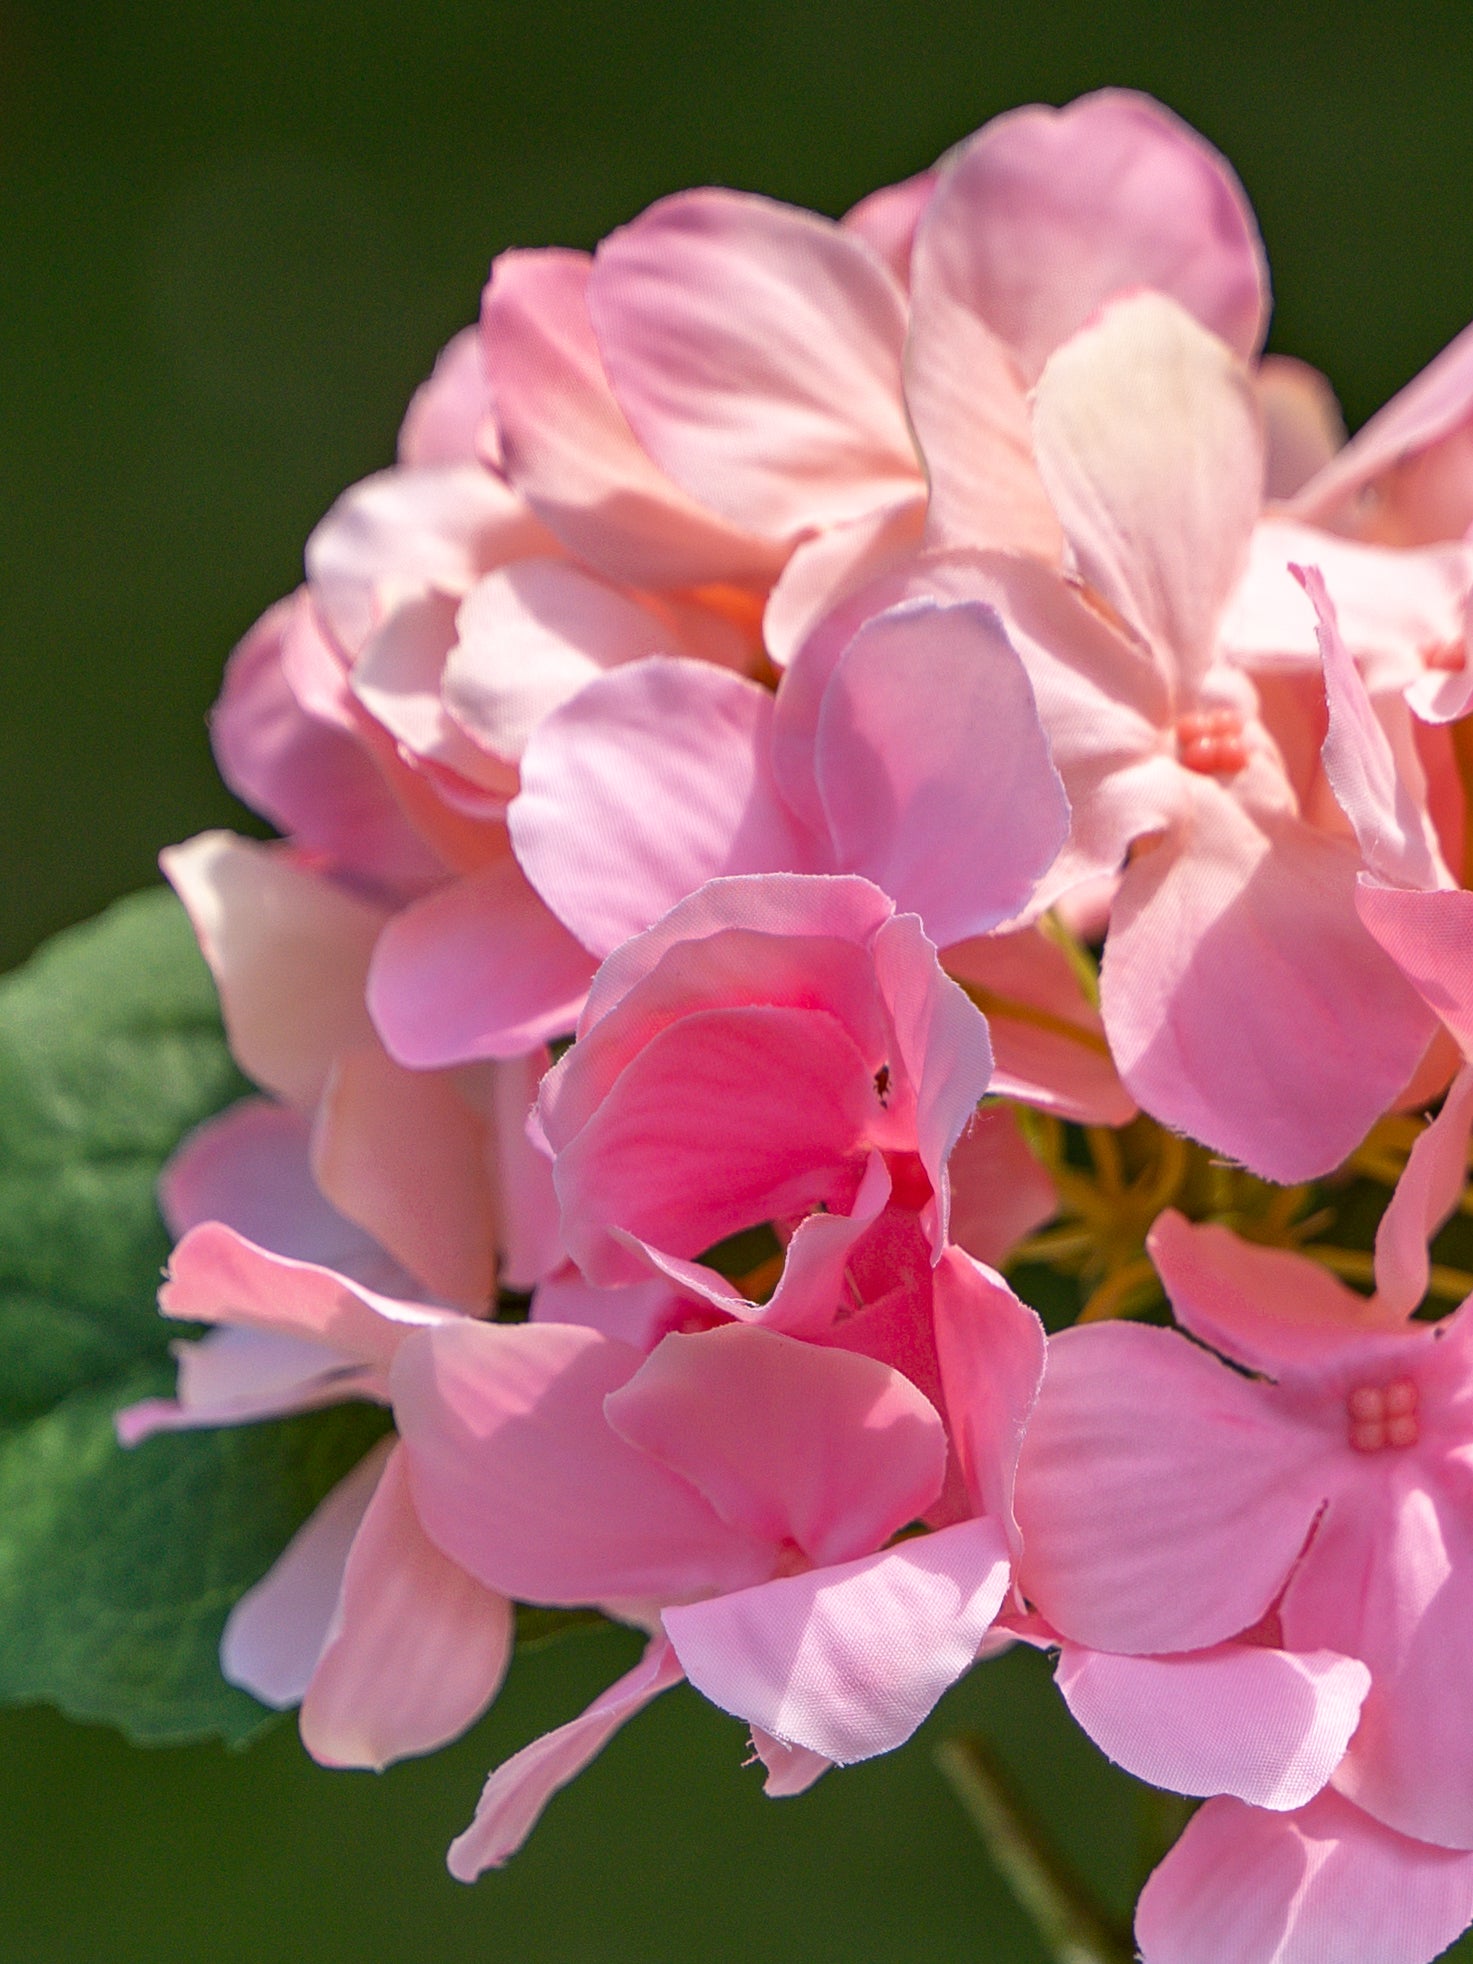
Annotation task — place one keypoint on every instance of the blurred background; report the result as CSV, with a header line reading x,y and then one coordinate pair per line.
x,y
232,237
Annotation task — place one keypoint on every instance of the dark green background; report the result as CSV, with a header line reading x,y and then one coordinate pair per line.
x,y
231,239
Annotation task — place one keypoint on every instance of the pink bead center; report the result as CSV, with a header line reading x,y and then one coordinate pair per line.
x,y
1448,659
1212,741
1383,1415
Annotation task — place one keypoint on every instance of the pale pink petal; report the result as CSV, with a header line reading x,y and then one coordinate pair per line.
x,y
443,422
1430,938
991,1352
216,1276
638,1313
1424,1200
275,1633
519,1789
887,219
728,1118
1431,406
929,738
1163,1500
402,1154
790,1769
568,447
1391,826
403,534
312,778
787,1442
416,1650
755,349
832,566
1058,211
1264,1307
1148,437
1325,1883
1303,425
847,1661
528,1240
530,637
1269,1726
651,781
398,677
999,1191
289,952
238,1376
944,1054
480,969
517,1475
1248,927
1048,1042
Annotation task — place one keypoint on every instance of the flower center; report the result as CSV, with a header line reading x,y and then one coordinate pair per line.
x,y
1211,741
1450,658
1383,1415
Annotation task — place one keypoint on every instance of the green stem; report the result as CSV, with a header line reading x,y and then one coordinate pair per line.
x,y
1072,1925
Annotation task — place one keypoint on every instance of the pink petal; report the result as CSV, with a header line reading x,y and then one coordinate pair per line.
x,y
443,422
755,349
517,1475
1391,825
1048,1041
1425,1197
568,446
790,1769
929,733
519,1789
239,1376
1303,424
275,1633
1162,1498
651,781
887,219
1058,211
991,1352
1269,1726
1249,926
480,969
1264,1307
831,567
398,677
787,1442
846,1662
1325,1882
999,1192
639,1313
1148,439
403,534
402,1154
817,1259
725,1119
416,1650
1430,938
289,952
528,1239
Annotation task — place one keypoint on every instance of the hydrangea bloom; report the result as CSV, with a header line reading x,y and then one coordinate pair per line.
x,y
966,773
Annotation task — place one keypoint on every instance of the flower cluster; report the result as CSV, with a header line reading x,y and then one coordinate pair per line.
x,y
963,769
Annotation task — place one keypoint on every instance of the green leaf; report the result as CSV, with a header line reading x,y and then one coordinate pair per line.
x,y
117,1569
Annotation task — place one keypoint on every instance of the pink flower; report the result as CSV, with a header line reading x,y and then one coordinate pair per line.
x,y
1169,1502
737,1492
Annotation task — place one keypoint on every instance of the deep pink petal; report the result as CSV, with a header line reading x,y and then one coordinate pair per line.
x,y
787,1442
480,969
1324,1883
991,1351
517,1475
1162,1498
755,349
1264,1307
275,1633
816,1262
651,781
1269,1726
846,1662
289,952
1054,212
1248,927
1148,437
1430,938
519,1789
929,737
1426,1194
568,447
416,1650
